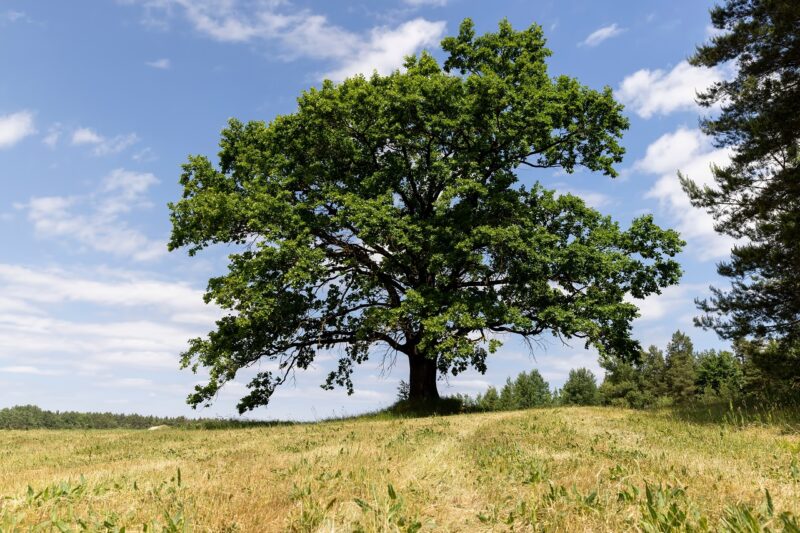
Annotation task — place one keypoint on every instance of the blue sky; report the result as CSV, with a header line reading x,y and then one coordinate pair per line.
x,y
101,102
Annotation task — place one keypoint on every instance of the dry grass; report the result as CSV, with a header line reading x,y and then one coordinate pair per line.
x,y
564,469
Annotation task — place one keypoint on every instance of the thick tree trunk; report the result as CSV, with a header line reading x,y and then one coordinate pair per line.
x,y
422,380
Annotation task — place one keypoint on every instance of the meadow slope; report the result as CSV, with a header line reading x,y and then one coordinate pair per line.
x,y
560,469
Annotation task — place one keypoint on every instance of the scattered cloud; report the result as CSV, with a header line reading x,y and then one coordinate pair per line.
x,y
15,127
95,220
651,92
161,64
672,300
303,33
592,198
386,48
422,3
692,153
35,340
85,136
35,291
53,135
145,155
554,367
14,16
601,34
23,369
102,145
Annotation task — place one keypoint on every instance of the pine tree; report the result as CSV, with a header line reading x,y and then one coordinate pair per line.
x,y
756,196
680,369
652,368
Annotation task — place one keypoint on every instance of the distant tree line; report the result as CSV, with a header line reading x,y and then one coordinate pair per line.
x,y
32,417
678,376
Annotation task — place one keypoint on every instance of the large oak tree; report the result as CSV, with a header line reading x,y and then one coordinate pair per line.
x,y
386,211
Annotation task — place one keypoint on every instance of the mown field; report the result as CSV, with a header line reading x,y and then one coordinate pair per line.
x,y
560,469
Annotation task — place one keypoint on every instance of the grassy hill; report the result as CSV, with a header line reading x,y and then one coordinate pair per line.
x,y
560,469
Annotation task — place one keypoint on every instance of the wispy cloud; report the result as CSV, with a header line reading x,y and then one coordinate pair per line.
x,y
12,16
85,136
95,220
15,127
103,145
53,135
421,3
602,34
651,92
692,153
386,48
161,64
303,33
36,339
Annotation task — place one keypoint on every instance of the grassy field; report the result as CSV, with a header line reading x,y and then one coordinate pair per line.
x,y
561,469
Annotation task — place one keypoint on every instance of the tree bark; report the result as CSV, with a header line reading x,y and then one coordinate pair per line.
x,y
422,380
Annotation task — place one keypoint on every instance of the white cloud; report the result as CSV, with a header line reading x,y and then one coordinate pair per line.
x,y
24,369
692,153
421,3
161,64
592,198
35,340
145,155
86,136
33,290
651,92
94,220
53,135
14,16
387,48
102,145
302,33
15,127
672,300
602,34
555,367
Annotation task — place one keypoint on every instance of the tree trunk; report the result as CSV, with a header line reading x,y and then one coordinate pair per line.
x,y
422,380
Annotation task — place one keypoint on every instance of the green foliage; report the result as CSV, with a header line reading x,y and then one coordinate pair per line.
x,y
771,371
755,197
488,401
580,388
683,378
387,211
32,417
529,389
719,372
680,373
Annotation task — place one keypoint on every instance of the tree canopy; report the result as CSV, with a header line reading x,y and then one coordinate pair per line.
x,y
756,197
386,212
580,388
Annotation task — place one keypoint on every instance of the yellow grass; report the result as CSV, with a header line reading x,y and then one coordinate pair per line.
x,y
561,469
